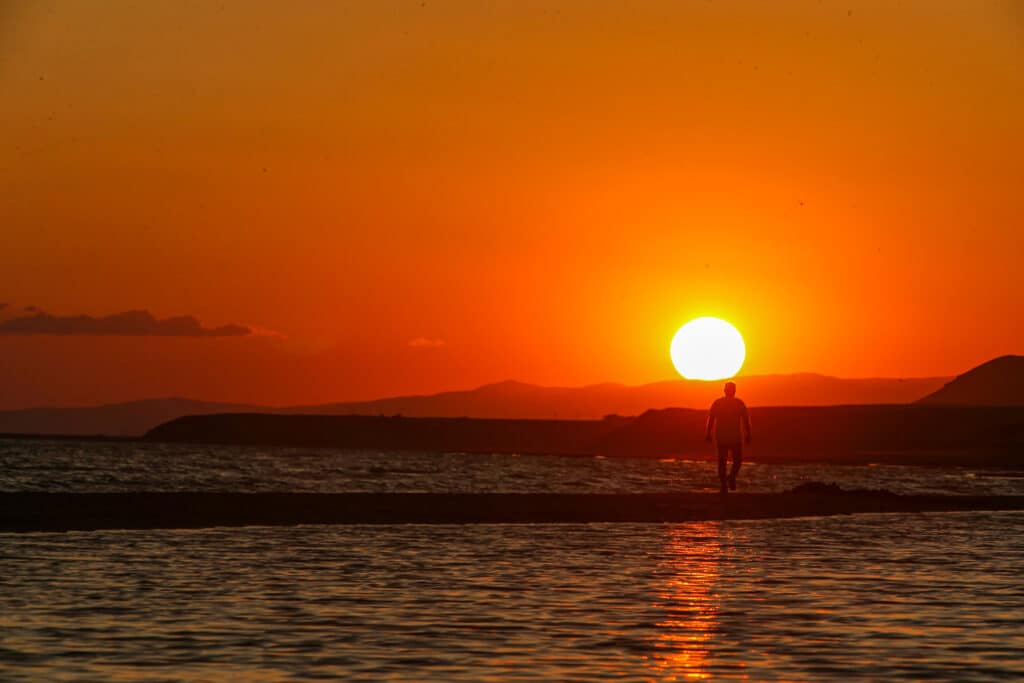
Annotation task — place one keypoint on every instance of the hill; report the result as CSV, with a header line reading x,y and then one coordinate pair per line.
x,y
516,400
999,382
504,400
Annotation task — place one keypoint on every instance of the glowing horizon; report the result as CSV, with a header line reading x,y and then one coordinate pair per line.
x,y
409,198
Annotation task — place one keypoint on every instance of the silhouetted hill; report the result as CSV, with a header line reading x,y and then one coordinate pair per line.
x,y
909,434
504,400
119,419
999,382
527,401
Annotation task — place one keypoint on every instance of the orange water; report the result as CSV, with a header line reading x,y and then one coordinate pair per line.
x,y
885,597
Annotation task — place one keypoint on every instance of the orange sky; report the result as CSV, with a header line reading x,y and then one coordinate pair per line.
x,y
546,190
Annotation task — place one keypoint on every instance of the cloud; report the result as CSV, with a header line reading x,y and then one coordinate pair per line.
x,y
127,324
425,343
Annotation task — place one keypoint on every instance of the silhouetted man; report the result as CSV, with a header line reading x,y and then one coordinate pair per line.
x,y
731,423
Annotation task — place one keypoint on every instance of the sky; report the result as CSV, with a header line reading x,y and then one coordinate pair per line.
x,y
304,202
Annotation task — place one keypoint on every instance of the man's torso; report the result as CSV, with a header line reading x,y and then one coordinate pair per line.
x,y
728,412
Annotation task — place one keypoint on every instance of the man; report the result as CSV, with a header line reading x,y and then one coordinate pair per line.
x,y
731,423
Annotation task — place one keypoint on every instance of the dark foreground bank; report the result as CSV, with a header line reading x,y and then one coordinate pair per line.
x,y
971,436
90,511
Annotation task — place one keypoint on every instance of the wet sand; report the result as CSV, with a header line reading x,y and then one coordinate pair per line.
x,y
69,511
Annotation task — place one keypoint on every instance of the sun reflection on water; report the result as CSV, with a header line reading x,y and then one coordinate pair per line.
x,y
691,603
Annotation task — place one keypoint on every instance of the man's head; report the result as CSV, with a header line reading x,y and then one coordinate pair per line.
x,y
730,388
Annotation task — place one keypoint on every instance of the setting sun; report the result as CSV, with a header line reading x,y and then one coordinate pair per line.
x,y
708,349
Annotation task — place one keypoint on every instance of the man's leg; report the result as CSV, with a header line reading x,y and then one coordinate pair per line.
x,y
723,458
737,460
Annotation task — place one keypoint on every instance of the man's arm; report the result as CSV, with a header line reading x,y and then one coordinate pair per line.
x,y
710,426
746,422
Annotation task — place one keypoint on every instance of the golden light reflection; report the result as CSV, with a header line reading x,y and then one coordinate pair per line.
x,y
688,597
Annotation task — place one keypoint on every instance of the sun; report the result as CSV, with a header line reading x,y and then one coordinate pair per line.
x,y
708,348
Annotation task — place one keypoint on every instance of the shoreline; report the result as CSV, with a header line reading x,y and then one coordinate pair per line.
x,y
60,512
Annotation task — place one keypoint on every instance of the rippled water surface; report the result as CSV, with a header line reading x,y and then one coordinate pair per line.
x,y
28,465
926,596
923,596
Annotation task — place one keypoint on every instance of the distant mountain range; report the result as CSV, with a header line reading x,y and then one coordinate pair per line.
x,y
502,400
528,401
997,382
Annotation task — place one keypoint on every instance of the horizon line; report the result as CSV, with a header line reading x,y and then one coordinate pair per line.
x,y
485,385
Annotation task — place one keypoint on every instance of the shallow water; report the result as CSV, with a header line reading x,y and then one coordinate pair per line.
x,y
28,465
923,596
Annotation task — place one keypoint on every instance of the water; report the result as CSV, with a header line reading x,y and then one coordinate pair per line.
x,y
927,596
69,466
883,597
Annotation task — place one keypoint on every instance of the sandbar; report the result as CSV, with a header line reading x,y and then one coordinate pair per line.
x,y
25,512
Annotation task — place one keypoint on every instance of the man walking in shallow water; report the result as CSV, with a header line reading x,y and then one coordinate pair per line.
x,y
731,424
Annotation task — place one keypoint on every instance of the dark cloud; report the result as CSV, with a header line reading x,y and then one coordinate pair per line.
x,y
31,309
128,324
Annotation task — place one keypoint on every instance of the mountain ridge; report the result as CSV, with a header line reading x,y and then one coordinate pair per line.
x,y
998,382
506,399
597,400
